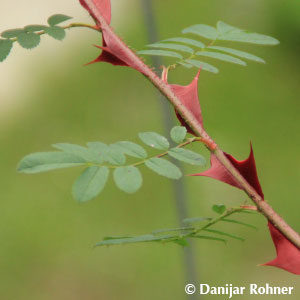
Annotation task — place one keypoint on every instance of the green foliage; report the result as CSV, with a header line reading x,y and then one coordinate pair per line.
x,y
219,208
187,156
180,235
178,134
128,179
187,50
5,48
154,140
56,32
57,19
99,158
90,183
163,167
28,40
29,36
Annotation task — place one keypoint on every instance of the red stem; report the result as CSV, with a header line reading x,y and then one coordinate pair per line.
x,y
187,115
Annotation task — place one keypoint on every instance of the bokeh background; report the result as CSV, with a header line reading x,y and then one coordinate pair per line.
x,y
47,96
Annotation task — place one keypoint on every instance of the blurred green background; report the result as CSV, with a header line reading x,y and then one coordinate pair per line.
x,y
46,237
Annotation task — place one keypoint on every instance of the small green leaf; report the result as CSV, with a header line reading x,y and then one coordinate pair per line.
x,y
196,220
184,64
206,31
219,208
154,140
187,156
191,42
5,48
203,65
221,56
12,33
209,238
181,242
98,147
90,183
115,156
128,179
163,168
46,161
239,222
181,48
178,134
231,33
131,149
56,32
160,53
238,53
34,28
28,40
87,154
131,240
224,233
57,19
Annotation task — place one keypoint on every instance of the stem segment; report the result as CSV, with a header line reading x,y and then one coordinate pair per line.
x,y
187,115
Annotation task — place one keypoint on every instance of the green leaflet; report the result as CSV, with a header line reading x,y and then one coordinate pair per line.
x,y
224,234
163,168
28,40
57,19
203,65
128,179
187,41
231,33
209,238
154,140
178,134
90,183
86,154
56,32
130,240
187,156
172,47
238,53
196,220
131,149
12,33
160,53
240,223
221,56
34,28
205,31
219,208
46,161
5,48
